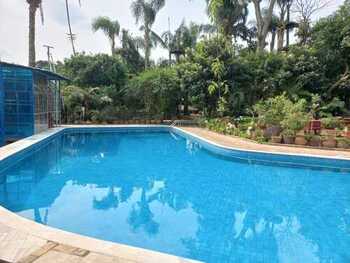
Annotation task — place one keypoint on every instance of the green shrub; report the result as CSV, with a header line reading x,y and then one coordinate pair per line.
x,y
332,123
295,117
156,91
272,111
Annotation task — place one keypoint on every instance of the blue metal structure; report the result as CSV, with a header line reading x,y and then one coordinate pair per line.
x,y
26,99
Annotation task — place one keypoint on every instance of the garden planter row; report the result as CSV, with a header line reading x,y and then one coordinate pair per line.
x,y
313,141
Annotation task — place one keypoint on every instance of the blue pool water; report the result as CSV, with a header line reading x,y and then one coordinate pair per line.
x,y
161,191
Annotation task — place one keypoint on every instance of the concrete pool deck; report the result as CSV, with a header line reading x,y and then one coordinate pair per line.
x,y
245,144
23,240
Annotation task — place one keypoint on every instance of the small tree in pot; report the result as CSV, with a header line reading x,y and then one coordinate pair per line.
x,y
295,119
270,114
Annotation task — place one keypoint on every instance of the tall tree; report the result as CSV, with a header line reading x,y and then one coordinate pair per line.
x,y
263,22
70,34
34,5
110,28
284,25
230,16
129,53
273,30
146,10
305,9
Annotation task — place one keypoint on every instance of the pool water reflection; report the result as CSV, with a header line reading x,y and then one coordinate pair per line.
x,y
164,192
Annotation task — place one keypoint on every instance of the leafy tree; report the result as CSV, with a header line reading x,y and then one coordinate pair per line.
x,y
110,28
146,10
130,54
331,40
305,9
95,71
156,92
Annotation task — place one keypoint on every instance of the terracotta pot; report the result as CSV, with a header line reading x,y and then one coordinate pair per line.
x,y
300,140
276,139
329,143
289,139
315,142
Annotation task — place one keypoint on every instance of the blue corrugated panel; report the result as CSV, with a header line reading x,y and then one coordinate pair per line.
x,y
18,102
2,140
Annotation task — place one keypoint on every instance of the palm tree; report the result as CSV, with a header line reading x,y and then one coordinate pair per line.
x,y
184,37
229,16
109,27
70,34
168,40
33,7
146,10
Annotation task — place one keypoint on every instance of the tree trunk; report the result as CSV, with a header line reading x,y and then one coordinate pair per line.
x,y
169,57
147,46
263,23
71,37
273,39
280,38
288,20
113,46
32,13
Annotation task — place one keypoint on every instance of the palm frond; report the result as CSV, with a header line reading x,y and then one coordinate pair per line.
x,y
156,39
137,9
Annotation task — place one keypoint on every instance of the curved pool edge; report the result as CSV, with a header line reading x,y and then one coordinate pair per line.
x,y
47,233
32,228
117,250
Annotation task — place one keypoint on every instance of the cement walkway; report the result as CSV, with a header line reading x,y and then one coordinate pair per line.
x,y
244,144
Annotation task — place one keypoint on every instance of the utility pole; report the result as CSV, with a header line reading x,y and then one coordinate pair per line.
x,y
49,57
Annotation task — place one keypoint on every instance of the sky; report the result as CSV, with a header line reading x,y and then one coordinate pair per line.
x,y
14,25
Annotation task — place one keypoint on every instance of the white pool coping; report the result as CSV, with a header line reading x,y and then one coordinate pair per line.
x,y
100,246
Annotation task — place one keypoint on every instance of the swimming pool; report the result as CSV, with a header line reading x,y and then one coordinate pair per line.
x,y
165,190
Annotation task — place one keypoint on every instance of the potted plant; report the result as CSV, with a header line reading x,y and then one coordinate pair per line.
x,y
332,123
329,141
315,140
295,119
343,143
288,136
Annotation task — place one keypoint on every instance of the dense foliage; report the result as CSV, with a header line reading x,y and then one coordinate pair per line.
x,y
216,77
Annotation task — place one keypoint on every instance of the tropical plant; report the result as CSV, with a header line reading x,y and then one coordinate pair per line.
x,y
110,28
129,53
230,17
184,37
146,10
